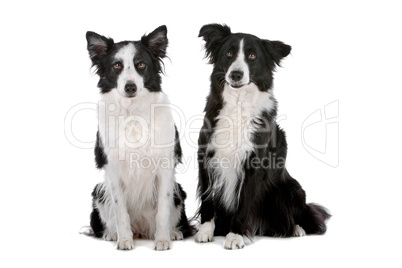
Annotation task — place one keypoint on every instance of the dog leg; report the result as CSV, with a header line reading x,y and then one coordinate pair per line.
x,y
122,218
206,231
234,239
124,233
165,186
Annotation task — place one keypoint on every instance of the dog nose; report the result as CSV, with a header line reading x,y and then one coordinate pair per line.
x,y
130,88
236,76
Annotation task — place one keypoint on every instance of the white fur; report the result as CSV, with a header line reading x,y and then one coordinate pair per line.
x,y
299,231
233,241
231,139
139,198
126,56
176,235
206,232
239,65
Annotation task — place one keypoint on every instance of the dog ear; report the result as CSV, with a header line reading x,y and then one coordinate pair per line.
x,y
156,41
98,46
277,49
213,35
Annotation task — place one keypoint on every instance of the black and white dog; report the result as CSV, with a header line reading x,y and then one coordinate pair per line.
x,y
137,145
244,186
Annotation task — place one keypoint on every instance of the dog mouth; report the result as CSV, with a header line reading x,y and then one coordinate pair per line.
x,y
236,86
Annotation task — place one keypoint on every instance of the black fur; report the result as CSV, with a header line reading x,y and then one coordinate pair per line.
x,y
95,220
151,49
179,197
100,156
184,226
177,147
271,202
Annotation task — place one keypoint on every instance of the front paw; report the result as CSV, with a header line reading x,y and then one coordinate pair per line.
x,y
108,236
125,244
162,245
206,232
233,241
204,236
176,235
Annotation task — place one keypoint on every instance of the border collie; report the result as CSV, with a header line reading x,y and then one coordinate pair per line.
x,y
243,185
137,145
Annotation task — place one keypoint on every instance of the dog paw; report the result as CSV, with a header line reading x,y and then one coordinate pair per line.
x,y
162,245
206,232
203,237
233,241
176,235
109,236
125,244
299,231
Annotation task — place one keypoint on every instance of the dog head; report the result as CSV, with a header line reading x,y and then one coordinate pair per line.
x,y
130,67
240,59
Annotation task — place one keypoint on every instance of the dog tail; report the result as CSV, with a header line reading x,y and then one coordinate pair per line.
x,y
314,219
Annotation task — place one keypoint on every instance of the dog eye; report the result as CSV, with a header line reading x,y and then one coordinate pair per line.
x,y
229,54
117,65
141,65
252,56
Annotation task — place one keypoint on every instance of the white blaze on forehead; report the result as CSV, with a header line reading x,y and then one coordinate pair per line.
x,y
241,65
126,56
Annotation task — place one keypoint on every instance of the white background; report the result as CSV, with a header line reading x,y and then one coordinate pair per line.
x,y
345,51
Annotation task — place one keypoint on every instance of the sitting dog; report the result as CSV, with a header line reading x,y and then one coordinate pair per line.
x,y
137,145
243,185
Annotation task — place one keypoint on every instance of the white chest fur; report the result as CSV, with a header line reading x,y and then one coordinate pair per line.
x,y
232,138
138,137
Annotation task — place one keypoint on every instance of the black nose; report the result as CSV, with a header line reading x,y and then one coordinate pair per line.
x,y
236,76
130,88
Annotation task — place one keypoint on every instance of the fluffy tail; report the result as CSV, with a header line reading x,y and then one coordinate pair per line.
x,y
314,218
